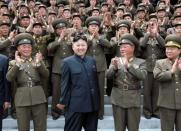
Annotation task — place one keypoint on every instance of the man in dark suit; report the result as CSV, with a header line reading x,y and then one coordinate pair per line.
x,y
79,88
4,89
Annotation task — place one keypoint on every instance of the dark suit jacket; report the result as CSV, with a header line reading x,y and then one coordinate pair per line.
x,y
79,86
4,85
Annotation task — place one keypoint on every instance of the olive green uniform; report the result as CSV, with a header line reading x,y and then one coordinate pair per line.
x,y
30,99
60,50
169,89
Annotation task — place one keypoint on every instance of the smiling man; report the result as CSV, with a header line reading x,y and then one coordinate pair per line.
x,y
79,88
168,72
26,72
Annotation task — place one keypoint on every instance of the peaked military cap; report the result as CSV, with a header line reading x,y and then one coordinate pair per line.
x,y
120,8
58,23
104,4
121,4
4,5
127,14
173,41
52,12
37,3
81,5
176,15
141,5
177,6
3,22
76,15
123,23
95,8
24,38
141,9
129,39
60,5
6,14
93,20
177,24
37,23
25,16
42,6
161,9
153,15
67,8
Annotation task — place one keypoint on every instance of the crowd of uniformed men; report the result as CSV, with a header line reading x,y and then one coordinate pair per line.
x,y
154,27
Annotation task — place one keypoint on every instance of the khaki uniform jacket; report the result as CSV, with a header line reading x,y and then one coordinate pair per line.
x,y
5,46
60,50
26,95
152,50
135,73
96,49
169,85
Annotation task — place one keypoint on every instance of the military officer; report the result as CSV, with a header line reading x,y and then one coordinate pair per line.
x,y
127,72
5,38
30,99
168,72
60,49
97,44
122,27
152,46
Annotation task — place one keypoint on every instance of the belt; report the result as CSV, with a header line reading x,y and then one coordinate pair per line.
x,y
29,84
129,87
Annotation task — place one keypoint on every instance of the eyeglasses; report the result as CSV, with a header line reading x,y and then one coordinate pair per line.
x,y
79,35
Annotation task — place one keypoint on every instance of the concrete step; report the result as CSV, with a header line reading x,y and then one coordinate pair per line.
x,y
83,130
107,123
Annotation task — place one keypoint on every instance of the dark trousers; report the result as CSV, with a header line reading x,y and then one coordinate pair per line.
x,y
101,82
56,90
1,114
74,121
169,119
126,118
151,90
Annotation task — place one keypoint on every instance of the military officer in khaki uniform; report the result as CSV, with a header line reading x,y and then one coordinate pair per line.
x,y
168,72
60,49
127,72
96,48
122,27
30,99
152,45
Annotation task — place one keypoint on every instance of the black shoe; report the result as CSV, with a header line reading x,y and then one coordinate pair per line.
x,y
147,114
56,114
101,117
156,116
55,117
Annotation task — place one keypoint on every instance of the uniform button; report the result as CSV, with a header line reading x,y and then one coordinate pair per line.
x,y
94,50
29,78
64,53
177,89
177,82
